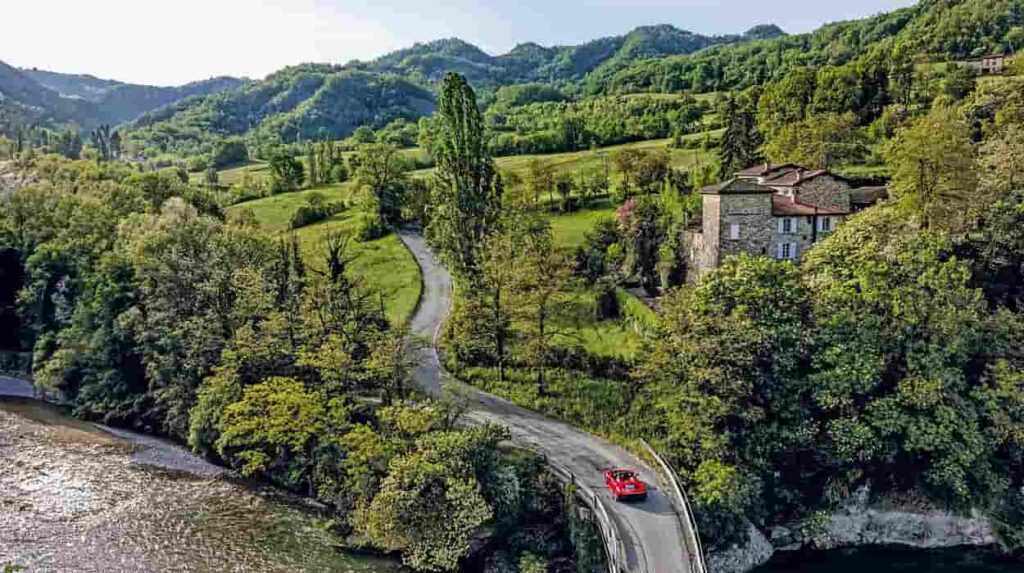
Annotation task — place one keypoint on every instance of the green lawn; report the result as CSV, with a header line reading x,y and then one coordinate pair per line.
x,y
259,169
255,168
275,212
613,338
569,230
386,267
577,160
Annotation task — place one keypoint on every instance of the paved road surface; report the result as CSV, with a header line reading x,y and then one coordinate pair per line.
x,y
654,542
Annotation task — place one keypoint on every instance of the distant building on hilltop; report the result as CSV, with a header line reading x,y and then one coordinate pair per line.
x,y
778,211
989,65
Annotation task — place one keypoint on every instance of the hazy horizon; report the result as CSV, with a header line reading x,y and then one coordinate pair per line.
x,y
126,41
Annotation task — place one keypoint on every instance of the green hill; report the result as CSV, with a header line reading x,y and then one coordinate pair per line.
x,y
51,99
299,103
314,101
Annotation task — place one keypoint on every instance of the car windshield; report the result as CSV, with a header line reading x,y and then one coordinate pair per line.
x,y
624,476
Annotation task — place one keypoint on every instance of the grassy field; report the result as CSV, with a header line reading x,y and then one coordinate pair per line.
x,y
577,160
569,230
275,212
386,267
258,169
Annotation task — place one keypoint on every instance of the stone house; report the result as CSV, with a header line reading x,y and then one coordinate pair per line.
x,y
778,211
989,65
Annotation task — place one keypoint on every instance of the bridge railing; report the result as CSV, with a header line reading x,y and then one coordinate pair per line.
x,y
611,538
684,511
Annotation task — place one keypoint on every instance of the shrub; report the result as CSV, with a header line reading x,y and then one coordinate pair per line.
x,y
315,210
372,228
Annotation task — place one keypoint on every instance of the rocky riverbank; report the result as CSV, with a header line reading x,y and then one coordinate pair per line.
x,y
857,523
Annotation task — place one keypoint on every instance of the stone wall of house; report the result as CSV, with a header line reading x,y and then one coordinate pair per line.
x,y
711,225
700,258
802,234
701,247
753,214
825,191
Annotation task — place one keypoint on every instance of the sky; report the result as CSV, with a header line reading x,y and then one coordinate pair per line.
x,y
171,42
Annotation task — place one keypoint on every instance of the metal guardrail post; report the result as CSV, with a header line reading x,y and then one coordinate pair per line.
x,y
687,521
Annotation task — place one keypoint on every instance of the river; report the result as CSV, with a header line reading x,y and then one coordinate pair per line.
x,y
892,560
76,497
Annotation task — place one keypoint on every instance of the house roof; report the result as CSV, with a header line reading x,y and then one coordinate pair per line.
x,y
986,57
868,195
765,169
796,177
783,206
736,186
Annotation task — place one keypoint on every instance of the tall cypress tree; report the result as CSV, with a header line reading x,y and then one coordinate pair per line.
x,y
741,141
466,189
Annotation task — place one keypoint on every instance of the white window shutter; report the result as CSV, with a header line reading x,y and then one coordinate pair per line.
x,y
782,228
793,252
778,251
796,224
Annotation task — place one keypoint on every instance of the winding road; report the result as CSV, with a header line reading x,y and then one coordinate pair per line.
x,y
651,530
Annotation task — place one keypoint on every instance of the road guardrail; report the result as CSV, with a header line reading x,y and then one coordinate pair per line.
x,y
684,511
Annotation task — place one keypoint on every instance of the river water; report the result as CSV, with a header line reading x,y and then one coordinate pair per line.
x,y
892,560
74,497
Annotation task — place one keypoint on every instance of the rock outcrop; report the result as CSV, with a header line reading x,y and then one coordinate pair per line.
x,y
740,558
857,523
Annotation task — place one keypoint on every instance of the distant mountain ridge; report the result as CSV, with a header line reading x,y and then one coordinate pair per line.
x,y
313,101
428,62
33,96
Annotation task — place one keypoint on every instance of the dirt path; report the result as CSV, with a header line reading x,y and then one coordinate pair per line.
x,y
652,532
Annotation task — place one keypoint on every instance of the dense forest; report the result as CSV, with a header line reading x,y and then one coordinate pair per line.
x,y
144,306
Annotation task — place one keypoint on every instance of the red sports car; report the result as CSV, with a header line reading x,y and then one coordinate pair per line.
x,y
625,485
